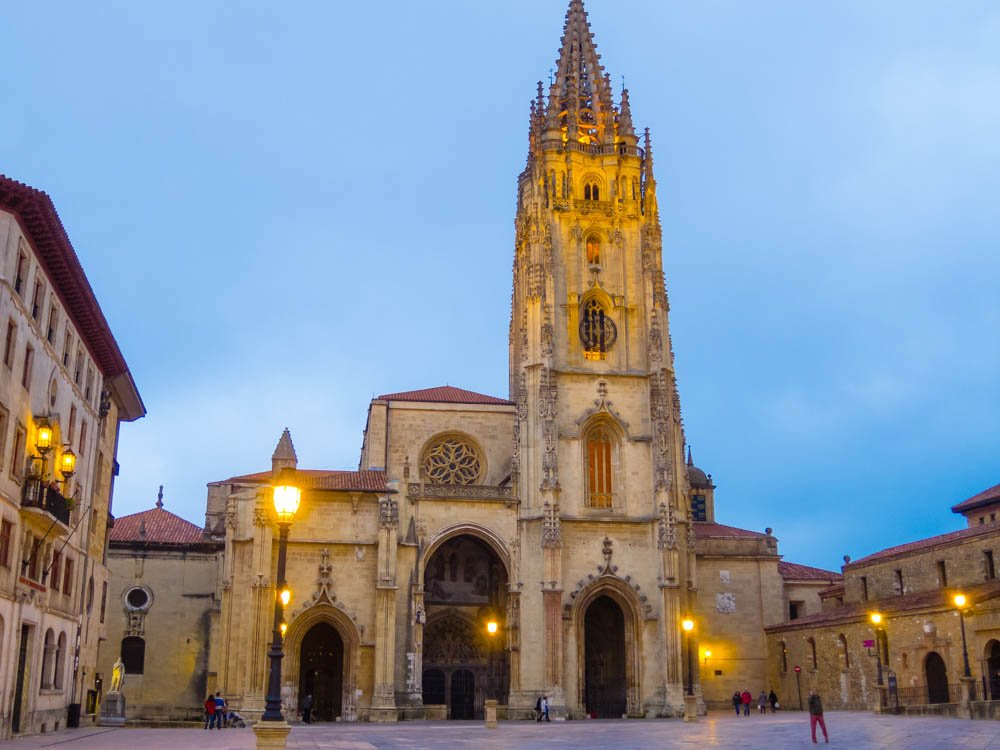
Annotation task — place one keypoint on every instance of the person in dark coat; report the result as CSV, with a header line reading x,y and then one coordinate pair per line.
x,y
737,702
307,705
773,700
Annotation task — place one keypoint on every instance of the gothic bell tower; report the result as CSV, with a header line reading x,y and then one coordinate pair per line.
x,y
598,456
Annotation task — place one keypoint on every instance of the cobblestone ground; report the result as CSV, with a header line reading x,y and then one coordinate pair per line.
x,y
784,730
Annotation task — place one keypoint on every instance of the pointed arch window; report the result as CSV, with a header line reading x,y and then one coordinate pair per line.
x,y
597,331
600,474
594,250
592,191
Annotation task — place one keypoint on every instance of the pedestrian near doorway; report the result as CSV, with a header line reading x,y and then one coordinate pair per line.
x,y
307,704
816,715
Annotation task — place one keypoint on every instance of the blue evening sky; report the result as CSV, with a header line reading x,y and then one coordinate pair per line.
x,y
286,208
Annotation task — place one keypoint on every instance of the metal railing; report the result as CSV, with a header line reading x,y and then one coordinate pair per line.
x,y
37,494
928,695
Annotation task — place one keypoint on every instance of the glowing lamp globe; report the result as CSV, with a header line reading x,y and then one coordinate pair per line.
x,y
285,596
287,496
876,618
492,627
67,463
688,624
960,600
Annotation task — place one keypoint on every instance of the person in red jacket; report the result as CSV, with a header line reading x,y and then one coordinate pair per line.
x,y
210,712
747,700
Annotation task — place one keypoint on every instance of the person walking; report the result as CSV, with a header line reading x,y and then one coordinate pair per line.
x,y
737,702
545,707
307,705
773,700
538,709
746,699
816,715
210,712
762,702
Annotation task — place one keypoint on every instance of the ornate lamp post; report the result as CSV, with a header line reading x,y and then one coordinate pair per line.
x,y
690,707
490,704
286,501
876,618
960,601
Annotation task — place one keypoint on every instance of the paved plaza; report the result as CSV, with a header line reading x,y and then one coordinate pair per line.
x,y
784,730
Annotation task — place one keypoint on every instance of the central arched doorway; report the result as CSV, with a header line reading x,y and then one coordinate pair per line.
x,y
605,677
465,587
937,678
321,671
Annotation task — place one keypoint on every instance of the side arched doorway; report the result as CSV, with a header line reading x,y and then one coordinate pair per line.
x,y
993,669
321,670
605,678
465,588
937,678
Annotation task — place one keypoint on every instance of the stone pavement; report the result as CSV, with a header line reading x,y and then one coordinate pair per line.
x,y
782,731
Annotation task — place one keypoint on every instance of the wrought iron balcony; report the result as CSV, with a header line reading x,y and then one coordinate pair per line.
x,y
38,494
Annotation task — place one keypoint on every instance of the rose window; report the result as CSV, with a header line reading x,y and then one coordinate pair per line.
x,y
452,461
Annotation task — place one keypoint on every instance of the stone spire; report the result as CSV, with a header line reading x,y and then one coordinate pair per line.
x,y
284,453
159,497
690,462
580,93
626,130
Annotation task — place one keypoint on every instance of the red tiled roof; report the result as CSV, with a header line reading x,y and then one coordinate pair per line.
x,y
321,479
445,394
903,549
835,590
796,572
894,605
986,497
705,530
156,526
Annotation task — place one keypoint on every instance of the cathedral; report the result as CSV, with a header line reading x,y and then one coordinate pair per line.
x,y
550,542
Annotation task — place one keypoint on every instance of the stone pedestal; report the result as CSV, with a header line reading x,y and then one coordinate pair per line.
x,y
490,709
271,735
965,700
690,708
112,711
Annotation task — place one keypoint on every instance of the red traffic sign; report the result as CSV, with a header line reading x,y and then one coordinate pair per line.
x,y
798,668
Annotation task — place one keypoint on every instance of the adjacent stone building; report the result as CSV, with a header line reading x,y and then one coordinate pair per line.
x,y
64,390
918,646
164,592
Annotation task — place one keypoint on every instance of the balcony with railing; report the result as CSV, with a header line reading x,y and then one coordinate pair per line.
x,y
40,498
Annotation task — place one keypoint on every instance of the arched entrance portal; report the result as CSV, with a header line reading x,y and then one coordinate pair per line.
x,y
465,587
993,668
604,659
937,678
321,671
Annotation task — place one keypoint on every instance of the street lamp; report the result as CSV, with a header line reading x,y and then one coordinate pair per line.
x,y
708,654
876,619
960,602
490,704
688,625
286,501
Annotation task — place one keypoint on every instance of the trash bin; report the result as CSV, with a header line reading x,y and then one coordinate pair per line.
x,y
73,719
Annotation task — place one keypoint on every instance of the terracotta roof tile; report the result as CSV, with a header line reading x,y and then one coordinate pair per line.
x,y
920,544
322,479
156,526
892,606
445,394
986,497
705,530
797,572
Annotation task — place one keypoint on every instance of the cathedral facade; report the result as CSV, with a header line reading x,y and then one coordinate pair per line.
x,y
565,514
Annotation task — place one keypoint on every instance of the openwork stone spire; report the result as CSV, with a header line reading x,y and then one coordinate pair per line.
x,y
284,453
580,97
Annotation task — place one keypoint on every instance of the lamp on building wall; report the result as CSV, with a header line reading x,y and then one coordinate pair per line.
x,y
960,603
287,497
707,655
67,463
43,436
876,618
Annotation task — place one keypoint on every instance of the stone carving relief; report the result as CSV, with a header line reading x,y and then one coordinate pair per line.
x,y
659,407
667,528
548,406
136,624
521,399
725,603
551,529
725,577
603,404
388,513
605,572
452,460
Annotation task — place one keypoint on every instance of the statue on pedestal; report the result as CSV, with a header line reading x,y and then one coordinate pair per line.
x,y
117,676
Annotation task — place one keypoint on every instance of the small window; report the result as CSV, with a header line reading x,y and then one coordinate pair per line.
x,y
784,657
89,389
37,300
78,372
60,661
21,273
104,599
942,574
17,458
864,588
50,333
71,431
699,508
48,659
83,437
3,434
6,532
844,655
137,598
8,350
796,610
55,569
133,654
67,346
29,360
991,571
68,577
599,475
898,574
32,547
812,653
592,191
594,250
